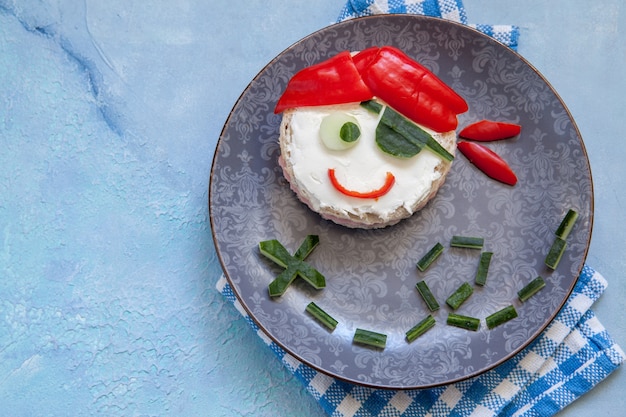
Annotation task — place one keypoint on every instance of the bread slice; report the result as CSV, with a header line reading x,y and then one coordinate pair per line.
x,y
365,216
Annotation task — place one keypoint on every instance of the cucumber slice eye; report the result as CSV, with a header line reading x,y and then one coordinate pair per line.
x,y
339,131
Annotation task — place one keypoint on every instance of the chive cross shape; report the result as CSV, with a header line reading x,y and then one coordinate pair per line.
x,y
294,265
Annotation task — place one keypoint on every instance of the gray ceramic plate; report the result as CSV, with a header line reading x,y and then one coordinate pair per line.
x,y
371,275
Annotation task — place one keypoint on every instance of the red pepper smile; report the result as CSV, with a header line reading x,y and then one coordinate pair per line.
x,y
389,182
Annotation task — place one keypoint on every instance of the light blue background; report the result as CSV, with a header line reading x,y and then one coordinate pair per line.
x,y
109,115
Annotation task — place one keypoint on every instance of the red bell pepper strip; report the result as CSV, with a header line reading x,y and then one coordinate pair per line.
x,y
413,90
389,181
487,130
488,162
333,81
365,57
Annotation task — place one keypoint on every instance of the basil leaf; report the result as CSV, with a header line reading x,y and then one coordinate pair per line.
x,y
394,143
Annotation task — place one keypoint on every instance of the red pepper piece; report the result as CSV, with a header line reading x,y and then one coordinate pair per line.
x,y
333,81
487,130
488,162
365,57
389,181
413,90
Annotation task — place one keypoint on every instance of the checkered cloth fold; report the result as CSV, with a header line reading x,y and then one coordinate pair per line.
x,y
567,360
447,9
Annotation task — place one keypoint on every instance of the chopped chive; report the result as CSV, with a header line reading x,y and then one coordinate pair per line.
x,y
420,328
430,257
306,247
321,316
368,337
501,316
427,295
464,322
372,106
556,252
459,296
531,289
567,224
467,242
483,268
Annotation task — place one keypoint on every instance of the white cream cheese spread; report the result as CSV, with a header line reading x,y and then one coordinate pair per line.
x,y
361,168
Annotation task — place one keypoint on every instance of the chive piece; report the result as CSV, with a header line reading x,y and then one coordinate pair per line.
x,y
464,322
460,295
467,242
420,328
306,247
430,257
531,289
483,268
275,251
501,316
427,295
282,281
320,315
567,224
372,106
349,132
556,252
368,337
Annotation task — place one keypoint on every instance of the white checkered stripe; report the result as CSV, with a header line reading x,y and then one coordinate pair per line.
x,y
572,355
447,9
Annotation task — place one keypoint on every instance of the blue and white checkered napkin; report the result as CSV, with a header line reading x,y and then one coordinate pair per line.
x,y
568,359
448,9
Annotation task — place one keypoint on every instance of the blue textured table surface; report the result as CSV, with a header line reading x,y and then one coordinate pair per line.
x,y
109,116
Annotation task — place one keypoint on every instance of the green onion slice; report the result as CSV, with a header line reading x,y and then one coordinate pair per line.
x,y
420,328
501,316
459,296
427,295
470,242
483,268
556,252
321,316
370,338
464,322
430,257
531,289
567,224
